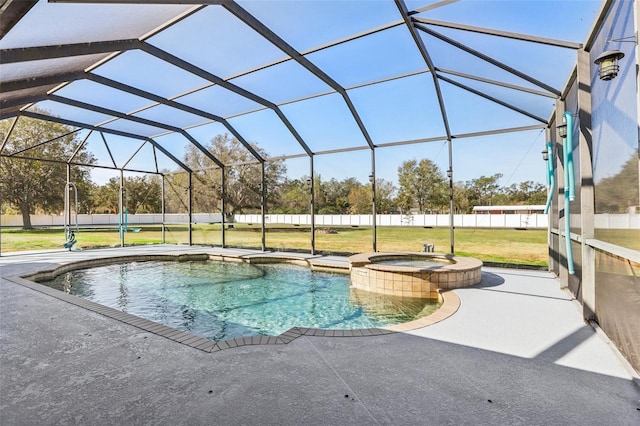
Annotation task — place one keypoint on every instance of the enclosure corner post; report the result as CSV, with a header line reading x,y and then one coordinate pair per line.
x,y
223,208
163,210
313,207
587,199
372,178
67,202
190,202
263,200
451,205
121,207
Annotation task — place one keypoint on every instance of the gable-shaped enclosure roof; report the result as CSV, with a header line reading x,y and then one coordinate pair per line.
x,y
300,78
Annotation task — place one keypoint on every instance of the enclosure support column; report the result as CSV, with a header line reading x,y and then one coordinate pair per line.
x,y
372,178
223,204
313,207
190,200
67,198
121,207
263,199
587,210
450,176
562,251
163,210
550,189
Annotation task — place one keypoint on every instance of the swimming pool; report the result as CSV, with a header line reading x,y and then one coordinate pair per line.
x,y
226,300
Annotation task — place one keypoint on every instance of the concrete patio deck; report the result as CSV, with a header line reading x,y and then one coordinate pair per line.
x,y
516,352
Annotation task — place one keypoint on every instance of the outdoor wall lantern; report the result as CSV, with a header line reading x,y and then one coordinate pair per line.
x,y
562,130
607,62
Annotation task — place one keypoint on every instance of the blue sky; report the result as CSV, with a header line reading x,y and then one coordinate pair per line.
x,y
394,111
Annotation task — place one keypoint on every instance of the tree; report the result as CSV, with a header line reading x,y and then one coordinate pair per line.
x,y
482,190
176,196
142,194
527,192
36,184
106,197
243,176
384,196
296,197
360,200
461,203
336,194
86,189
422,184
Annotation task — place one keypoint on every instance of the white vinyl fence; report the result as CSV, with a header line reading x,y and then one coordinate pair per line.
x,y
421,220
602,221
111,219
617,221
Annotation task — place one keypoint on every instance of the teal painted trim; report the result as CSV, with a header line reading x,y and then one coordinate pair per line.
x,y
569,164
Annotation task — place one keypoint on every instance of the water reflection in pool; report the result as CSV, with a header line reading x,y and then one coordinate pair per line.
x,y
223,300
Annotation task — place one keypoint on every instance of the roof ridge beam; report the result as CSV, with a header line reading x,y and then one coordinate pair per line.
x,y
244,16
402,7
343,40
193,69
488,59
500,33
496,83
492,99
37,53
501,131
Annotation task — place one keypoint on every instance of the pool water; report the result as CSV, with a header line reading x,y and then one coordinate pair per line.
x,y
223,300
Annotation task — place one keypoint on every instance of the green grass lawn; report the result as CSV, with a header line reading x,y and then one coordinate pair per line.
x,y
527,247
629,238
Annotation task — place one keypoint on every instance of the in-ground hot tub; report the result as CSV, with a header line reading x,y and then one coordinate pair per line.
x,y
413,274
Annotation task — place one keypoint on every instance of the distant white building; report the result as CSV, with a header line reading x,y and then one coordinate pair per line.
x,y
533,209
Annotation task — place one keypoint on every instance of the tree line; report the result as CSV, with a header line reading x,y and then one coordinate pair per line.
x,y
36,186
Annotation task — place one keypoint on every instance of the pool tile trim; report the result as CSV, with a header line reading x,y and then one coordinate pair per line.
x,y
450,304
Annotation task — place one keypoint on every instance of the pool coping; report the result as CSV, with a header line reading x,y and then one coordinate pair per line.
x,y
450,301
450,262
